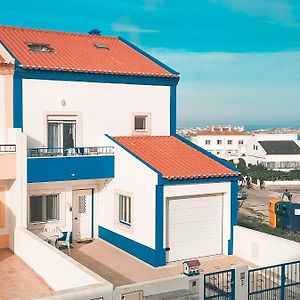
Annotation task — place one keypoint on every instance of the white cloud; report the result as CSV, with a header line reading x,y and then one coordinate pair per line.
x,y
275,10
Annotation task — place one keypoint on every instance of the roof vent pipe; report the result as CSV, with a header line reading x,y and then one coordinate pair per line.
x,y
95,31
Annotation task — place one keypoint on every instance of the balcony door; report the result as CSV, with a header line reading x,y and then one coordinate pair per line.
x,y
61,133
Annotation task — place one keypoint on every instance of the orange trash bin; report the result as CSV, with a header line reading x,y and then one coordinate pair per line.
x,y
272,212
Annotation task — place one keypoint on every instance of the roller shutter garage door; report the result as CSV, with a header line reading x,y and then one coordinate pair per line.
x,y
194,227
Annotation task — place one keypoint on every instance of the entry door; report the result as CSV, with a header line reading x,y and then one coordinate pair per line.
x,y
82,214
194,227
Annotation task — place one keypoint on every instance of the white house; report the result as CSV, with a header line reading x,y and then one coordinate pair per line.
x,y
223,141
103,157
274,151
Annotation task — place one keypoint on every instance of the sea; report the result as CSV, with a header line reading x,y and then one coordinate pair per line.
x,y
270,126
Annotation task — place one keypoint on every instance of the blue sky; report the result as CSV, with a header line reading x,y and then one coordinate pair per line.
x,y
239,59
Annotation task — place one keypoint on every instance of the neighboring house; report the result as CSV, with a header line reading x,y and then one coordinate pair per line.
x,y
103,157
276,155
223,141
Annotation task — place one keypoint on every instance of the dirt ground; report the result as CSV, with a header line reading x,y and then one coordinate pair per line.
x,y
257,200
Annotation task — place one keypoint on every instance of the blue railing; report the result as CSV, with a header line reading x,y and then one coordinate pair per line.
x,y
6,148
220,285
280,282
73,151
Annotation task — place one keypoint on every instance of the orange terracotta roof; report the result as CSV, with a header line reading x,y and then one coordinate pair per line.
x,y
76,52
173,158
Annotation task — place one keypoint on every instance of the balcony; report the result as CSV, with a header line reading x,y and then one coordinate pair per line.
x,y
7,161
78,163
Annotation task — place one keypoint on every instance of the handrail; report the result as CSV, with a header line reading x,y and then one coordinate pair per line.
x,y
6,148
70,151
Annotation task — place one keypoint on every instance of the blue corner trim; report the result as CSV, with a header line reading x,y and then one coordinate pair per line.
x,y
233,214
173,110
136,249
17,63
17,103
159,226
134,155
93,199
93,77
155,60
69,168
209,154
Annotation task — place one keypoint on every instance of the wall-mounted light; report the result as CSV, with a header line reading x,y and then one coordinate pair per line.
x,y
105,183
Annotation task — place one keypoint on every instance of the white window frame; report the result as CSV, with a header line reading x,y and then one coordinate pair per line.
x,y
147,130
125,209
44,209
229,142
64,117
241,142
207,142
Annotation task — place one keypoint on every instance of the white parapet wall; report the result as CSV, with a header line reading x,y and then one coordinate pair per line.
x,y
264,249
60,271
283,182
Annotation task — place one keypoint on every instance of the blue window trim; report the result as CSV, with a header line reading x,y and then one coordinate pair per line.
x,y
155,60
233,214
17,103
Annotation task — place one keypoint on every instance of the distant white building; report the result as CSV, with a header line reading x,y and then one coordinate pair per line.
x,y
274,151
224,141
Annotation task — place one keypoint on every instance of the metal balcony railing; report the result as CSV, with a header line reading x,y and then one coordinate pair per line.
x,y
74,151
7,148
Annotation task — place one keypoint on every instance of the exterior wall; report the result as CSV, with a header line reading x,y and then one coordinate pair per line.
x,y
131,176
47,261
257,155
4,233
203,189
2,109
264,249
101,108
276,137
223,149
64,188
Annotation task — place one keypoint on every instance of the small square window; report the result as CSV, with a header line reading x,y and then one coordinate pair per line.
x,y
241,142
140,123
207,142
229,142
219,142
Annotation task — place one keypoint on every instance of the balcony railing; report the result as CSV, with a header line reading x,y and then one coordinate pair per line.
x,y
7,148
75,151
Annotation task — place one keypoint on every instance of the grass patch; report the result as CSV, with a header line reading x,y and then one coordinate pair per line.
x,y
257,223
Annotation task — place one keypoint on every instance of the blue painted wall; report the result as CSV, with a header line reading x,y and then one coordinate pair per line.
x,y
62,168
234,213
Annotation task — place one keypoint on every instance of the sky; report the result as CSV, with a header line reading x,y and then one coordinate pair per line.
x,y
239,60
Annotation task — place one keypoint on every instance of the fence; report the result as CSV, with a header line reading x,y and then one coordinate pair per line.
x,y
279,282
220,285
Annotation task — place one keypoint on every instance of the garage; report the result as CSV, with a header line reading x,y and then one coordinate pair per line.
x,y
194,226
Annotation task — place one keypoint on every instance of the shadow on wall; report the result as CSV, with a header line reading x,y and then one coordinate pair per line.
x,y
33,143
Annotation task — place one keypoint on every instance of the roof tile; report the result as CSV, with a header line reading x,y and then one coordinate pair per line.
x,y
77,53
173,158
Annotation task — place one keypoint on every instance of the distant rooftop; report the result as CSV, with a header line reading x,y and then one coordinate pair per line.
x,y
222,130
280,147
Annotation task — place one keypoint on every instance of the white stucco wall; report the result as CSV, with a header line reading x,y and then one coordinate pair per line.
x,y
204,189
2,109
133,177
263,249
104,108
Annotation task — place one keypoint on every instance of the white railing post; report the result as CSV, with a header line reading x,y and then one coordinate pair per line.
x,y
241,282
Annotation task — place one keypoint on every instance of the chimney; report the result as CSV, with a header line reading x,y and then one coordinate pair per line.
x,y
95,31
212,128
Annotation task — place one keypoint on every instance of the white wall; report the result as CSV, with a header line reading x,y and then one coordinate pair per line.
x,y
286,157
133,177
263,249
276,137
58,270
204,189
2,109
104,107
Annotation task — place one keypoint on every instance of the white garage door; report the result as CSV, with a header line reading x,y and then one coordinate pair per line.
x,y
194,227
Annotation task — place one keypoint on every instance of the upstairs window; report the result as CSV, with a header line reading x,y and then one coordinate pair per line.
x,y
241,142
219,142
125,209
229,142
141,124
39,47
207,142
